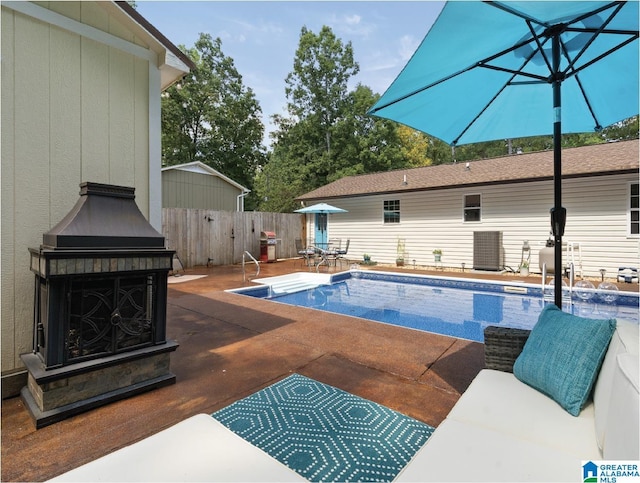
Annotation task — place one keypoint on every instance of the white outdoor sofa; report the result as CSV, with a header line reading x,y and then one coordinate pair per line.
x,y
500,430
199,448
503,430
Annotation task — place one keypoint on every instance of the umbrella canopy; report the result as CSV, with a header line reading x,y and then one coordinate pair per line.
x,y
321,208
499,70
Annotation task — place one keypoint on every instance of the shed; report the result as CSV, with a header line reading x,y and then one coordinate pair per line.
x,y
199,186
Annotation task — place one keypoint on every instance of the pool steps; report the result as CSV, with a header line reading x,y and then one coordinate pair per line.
x,y
292,286
294,282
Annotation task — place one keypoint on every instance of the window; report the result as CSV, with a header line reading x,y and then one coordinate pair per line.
x,y
391,211
634,209
472,208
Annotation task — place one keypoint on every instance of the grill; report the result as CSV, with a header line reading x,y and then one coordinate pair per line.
x,y
100,307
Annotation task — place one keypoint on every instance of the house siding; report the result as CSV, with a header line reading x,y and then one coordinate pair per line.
x,y
187,189
597,219
73,110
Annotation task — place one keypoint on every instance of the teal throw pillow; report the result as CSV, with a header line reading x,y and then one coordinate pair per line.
x,y
562,356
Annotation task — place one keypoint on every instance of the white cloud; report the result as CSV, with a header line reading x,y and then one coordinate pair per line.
x,y
408,45
350,25
353,19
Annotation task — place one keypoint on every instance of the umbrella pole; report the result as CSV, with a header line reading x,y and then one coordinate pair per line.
x,y
558,213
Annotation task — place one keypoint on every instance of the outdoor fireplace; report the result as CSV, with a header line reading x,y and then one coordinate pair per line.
x,y
99,307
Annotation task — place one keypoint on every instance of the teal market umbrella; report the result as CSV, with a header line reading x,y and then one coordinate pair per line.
x,y
321,208
500,70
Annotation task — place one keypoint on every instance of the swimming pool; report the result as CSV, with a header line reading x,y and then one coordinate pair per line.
x,y
456,307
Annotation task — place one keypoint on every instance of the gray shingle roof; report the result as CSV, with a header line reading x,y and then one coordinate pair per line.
x,y
609,158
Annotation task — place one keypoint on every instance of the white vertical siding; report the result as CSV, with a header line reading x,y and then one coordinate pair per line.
x,y
597,218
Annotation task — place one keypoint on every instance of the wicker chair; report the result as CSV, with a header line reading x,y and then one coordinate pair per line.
x,y
502,346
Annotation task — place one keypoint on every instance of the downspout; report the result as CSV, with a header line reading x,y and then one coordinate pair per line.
x,y
240,200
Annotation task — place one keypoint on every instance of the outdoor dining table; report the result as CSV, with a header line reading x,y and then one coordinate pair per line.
x,y
325,250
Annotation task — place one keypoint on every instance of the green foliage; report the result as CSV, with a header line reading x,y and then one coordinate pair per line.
x,y
624,130
415,146
328,134
317,86
210,116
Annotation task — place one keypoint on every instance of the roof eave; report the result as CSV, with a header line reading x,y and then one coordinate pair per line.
x,y
172,62
469,185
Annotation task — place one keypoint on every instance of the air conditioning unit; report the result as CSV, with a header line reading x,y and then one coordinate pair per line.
x,y
487,250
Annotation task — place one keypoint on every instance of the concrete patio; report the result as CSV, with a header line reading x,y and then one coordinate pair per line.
x,y
232,346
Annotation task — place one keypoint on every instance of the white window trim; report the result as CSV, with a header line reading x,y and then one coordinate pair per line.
x,y
629,210
464,197
384,223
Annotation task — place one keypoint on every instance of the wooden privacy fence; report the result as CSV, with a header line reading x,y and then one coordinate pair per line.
x,y
202,237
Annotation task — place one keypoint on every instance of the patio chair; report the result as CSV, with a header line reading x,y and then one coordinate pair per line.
x,y
305,253
340,254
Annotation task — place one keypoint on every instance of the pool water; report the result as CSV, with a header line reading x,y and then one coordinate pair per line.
x,y
457,312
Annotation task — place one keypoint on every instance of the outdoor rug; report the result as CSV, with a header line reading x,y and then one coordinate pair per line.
x,y
324,433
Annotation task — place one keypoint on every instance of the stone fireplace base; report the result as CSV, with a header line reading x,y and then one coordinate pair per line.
x,y
55,394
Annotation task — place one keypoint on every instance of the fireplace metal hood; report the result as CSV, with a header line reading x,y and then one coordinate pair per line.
x,y
104,217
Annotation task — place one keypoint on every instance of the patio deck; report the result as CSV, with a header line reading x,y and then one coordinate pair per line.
x,y
232,346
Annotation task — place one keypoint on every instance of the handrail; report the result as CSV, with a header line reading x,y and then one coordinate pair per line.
x,y
323,256
244,278
572,274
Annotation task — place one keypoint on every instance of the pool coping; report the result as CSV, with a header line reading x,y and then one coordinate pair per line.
x,y
628,299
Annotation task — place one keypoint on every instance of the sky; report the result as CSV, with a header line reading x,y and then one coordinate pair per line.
x,y
262,37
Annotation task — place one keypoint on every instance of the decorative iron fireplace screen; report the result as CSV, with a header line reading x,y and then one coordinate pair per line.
x,y
108,316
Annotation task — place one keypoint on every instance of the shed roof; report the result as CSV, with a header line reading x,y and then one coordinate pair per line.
x,y
201,168
609,158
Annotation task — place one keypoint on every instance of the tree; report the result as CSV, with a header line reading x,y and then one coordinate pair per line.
x,y
415,146
210,116
623,130
317,87
365,144
327,134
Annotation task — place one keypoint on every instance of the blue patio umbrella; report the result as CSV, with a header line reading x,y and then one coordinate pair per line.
x,y
321,208
500,70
